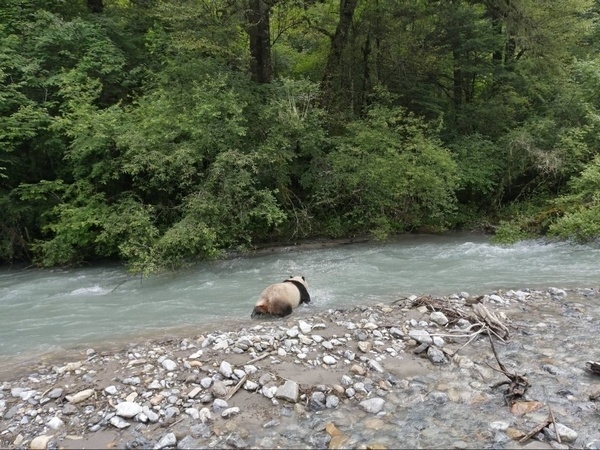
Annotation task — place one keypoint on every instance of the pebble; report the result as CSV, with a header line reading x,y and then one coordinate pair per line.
x,y
372,405
168,440
169,365
128,409
288,391
40,442
330,360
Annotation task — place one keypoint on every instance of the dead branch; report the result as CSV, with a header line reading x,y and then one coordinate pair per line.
x,y
517,384
536,430
263,356
236,388
549,420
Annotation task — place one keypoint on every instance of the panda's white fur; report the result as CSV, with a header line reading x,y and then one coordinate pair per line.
x,y
281,298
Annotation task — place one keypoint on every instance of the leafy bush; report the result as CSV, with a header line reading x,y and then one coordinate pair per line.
x,y
581,222
387,173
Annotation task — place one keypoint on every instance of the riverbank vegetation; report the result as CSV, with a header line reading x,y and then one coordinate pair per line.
x,y
162,131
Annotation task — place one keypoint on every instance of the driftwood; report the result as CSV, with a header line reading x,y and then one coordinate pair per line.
x,y
236,388
482,319
517,384
549,421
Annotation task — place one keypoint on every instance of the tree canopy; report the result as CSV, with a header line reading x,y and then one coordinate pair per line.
x,y
158,132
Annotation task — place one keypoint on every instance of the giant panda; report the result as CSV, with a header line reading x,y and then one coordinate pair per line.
x,y
279,299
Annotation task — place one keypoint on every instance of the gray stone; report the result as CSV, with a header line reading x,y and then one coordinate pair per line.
x,y
234,440
219,405
206,382
375,366
332,401
187,442
111,390
421,336
372,405
436,356
118,422
225,369
133,381
168,440
55,393
566,434
439,318
288,391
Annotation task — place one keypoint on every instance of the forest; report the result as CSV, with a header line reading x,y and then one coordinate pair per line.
x,y
161,132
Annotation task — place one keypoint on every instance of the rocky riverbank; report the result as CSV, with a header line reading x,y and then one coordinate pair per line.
x,y
400,375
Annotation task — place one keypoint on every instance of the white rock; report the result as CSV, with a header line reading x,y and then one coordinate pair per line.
x,y
230,412
169,365
128,409
438,341
155,385
250,385
372,405
111,390
205,415
221,345
329,360
499,426
118,422
566,434
250,369
55,423
196,355
193,413
40,442
305,327
292,332
206,382
80,396
439,318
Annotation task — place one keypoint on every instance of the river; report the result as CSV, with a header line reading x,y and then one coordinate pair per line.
x,y
48,312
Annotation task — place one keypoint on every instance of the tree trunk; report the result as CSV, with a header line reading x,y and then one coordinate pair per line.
x,y
457,81
338,44
95,6
260,41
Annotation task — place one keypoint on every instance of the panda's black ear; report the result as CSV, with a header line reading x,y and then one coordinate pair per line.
x,y
303,279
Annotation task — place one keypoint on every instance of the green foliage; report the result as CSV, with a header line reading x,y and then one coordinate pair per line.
x,y
510,232
138,134
388,173
581,222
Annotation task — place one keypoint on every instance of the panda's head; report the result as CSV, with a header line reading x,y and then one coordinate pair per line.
x,y
299,279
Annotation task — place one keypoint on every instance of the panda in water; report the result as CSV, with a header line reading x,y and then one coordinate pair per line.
x,y
281,298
